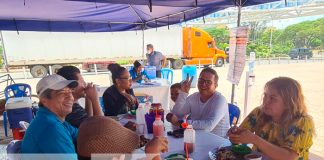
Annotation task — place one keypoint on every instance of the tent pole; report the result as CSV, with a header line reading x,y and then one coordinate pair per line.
x,y
143,45
238,25
5,61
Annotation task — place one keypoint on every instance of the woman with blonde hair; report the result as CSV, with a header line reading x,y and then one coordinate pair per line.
x,y
281,127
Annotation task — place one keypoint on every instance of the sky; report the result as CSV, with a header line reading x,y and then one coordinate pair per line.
x,y
281,24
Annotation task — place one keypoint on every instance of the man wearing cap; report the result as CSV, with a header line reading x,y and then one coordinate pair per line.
x,y
155,58
83,90
49,132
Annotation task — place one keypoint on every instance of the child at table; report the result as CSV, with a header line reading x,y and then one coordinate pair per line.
x,y
175,88
174,94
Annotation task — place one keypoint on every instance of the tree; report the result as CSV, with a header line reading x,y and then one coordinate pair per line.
x,y
256,29
221,36
306,34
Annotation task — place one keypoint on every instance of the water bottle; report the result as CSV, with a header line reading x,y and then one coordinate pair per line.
x,y
189,139
147,105
158,126
140,120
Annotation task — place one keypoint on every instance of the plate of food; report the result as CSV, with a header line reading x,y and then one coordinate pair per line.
x,y
176,156
222,153
234,152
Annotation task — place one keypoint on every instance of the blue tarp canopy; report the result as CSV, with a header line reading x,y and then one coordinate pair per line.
x,y
105,15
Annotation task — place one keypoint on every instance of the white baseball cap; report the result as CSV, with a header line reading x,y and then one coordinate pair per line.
x,y
54,82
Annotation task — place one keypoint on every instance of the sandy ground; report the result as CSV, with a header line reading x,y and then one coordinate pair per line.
x,y
310,75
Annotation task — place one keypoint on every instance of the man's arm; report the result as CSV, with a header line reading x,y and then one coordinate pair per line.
x,y
163,61
92,101
88,107
215,114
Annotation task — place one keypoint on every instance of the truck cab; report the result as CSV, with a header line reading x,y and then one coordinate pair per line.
x,y
300,53
200,48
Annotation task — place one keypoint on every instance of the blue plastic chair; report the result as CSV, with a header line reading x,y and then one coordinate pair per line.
x,y
165,74
15,90
234,112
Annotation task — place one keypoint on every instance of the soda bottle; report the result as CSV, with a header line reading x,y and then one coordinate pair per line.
x,y
158,126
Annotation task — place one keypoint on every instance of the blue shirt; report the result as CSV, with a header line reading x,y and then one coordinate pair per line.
x,y
133,74
154,59
48,134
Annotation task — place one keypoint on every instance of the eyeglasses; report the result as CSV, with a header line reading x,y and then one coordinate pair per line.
x,y
129,78
203,81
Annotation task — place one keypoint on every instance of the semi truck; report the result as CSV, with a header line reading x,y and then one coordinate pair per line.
x,y
44,52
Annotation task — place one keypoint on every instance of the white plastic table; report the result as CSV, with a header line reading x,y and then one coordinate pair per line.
x,y
159,89
205,142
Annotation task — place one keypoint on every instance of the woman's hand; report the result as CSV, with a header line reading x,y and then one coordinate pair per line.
x,y
131,99
139,77
155,147
241,135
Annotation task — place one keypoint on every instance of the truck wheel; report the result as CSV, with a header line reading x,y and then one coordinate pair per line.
x,y
38,71
177,64
55,68
219,62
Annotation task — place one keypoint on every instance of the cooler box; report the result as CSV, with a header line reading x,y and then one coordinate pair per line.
x,y
19,109
192,71
151,71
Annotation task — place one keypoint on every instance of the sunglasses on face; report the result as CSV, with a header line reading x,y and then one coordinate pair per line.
x,y
203,81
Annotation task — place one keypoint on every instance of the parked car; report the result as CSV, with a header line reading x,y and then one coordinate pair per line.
x,y
300,53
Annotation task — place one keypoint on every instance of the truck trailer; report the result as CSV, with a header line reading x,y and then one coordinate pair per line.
x,y
44,52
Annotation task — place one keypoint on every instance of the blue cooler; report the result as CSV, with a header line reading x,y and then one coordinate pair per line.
x,y
192,71
19,109
151,71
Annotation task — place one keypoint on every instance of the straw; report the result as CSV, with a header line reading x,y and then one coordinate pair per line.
x,y
187,152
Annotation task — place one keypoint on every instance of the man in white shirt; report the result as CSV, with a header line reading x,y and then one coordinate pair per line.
x,y
207,108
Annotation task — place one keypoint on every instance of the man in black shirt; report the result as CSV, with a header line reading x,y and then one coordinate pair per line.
x,y
83,90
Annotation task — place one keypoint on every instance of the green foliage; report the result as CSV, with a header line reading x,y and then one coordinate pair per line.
x,y
260,50
123,62
221,36
308,34
268,42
